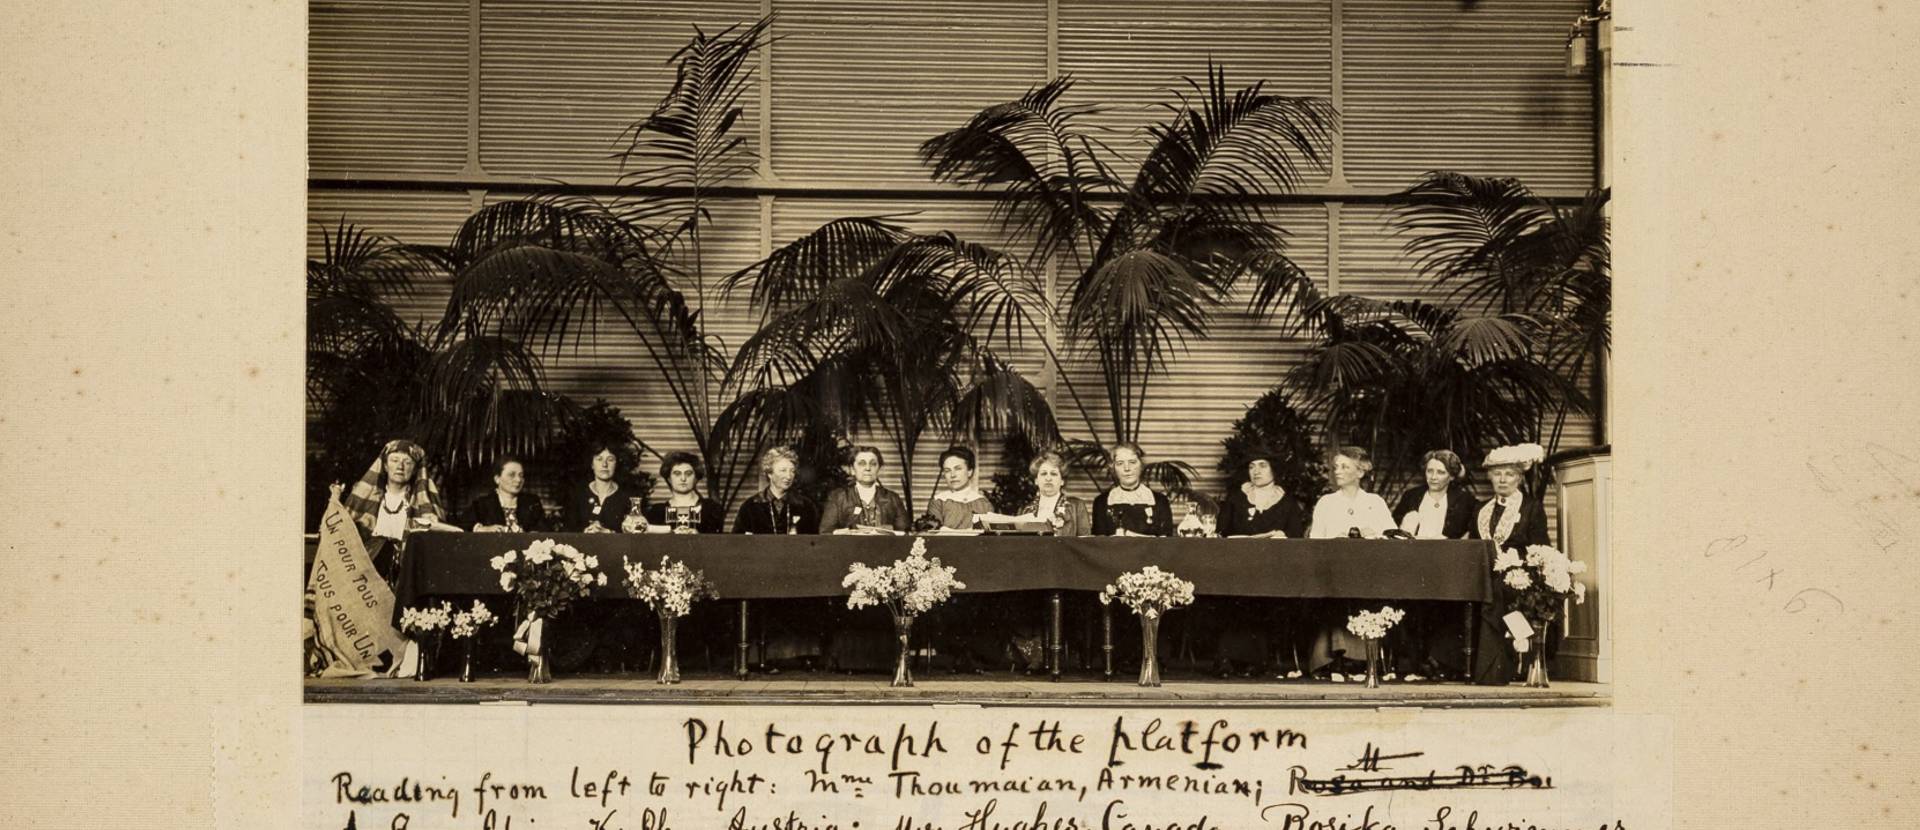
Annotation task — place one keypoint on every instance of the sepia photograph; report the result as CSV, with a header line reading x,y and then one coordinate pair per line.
x,y
986,351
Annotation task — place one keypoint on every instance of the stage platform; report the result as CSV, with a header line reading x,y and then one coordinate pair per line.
x,y
822,688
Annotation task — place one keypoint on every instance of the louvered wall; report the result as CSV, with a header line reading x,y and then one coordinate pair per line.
x,y
851,87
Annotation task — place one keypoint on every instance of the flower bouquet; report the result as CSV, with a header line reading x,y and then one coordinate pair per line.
x,y
1371,627
670,590
427,625
1151,593
466,626
1537,584
545,580
908,588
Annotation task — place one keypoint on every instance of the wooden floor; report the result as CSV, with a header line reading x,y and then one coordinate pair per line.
x,y
1004,689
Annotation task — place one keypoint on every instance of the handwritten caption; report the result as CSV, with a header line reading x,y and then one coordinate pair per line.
x,y
1125,771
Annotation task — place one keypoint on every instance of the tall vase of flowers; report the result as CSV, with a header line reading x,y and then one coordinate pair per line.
x,y
1151,593
427,625
908,588
545,580
670,590
465,629
1371,627
1537,584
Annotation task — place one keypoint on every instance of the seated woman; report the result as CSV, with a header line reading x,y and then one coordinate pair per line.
x,y
1348,510
1067,514
602,505
960,504
1129,507
1427,642
394,498
867,504
777,508
1260,507
508,509
1512,521
686,510
1444,508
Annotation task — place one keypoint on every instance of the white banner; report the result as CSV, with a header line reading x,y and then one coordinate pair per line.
x,y
353,606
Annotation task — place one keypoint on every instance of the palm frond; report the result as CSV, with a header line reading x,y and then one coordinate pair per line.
x,y
687,143
799,269
1043,164
1221,142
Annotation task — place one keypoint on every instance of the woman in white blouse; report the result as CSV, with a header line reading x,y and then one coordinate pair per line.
x,y
1349,510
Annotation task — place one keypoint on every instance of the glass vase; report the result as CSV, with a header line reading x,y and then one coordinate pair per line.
x,y
903,661
669,650
1535,660
532,643
1150,651
1373,662
428,647
466,661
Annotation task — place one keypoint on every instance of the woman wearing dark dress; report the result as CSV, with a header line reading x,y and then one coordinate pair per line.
x,y
685,510
1261,507
1444,508
866,504
1427,642
777,509
508,509
601,505
1067,514
1512,521
1130,507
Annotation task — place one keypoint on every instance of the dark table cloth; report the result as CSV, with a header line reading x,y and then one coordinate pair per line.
x,y
750,567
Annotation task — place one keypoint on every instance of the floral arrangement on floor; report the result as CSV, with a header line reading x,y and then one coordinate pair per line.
x,y
909,587
1539,581
1150,592
1373,625
467,624
671,589
427,621
548,577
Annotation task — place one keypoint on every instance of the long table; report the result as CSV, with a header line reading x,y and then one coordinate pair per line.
x,y
746,567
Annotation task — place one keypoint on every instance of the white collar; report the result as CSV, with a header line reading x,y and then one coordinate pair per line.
x,y
1141,494
866,492
967,496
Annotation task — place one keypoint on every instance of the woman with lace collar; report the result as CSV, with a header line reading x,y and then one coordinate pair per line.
x,y
1349,511
1511,520
866,504
1260,507
686,509
778,508
1130,507
961,504
1067,514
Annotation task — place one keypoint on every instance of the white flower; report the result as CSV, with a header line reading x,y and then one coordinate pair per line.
x,y
506,581
1536,557
1575,566
1579,592
510,556
593,562
1518,580
601,579
499,563
1558,581
1507,558
536,556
